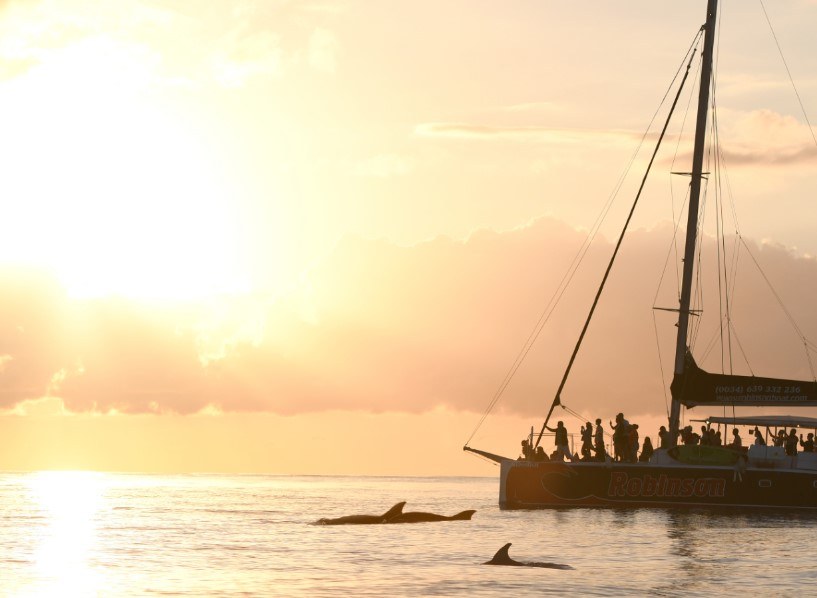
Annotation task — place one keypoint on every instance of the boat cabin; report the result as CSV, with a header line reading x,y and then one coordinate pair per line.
x,y
768,456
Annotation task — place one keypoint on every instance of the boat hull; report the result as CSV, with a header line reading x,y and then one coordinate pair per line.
x,y
530,485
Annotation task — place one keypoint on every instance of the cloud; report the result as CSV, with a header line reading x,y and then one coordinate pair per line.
x,y
768,137
779,157
519,133
32,33
187,43
763,138
32,334
748,138
394,328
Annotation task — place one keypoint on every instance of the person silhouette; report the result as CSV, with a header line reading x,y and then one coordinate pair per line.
x,y
562,445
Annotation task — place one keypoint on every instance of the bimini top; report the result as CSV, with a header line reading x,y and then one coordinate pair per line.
x,y
772,421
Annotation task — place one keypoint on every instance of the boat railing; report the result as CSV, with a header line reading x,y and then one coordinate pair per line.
x,y
574,440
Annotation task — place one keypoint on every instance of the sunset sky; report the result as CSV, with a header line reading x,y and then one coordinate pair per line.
x,y
311,237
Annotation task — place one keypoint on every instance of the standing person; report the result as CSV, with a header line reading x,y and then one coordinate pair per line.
x,y
562,445
808,445
587,442
598,438
791,443
527,451
663,437
759,441
647,451
633,443
621,431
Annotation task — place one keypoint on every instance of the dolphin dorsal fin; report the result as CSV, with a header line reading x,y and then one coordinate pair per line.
x,y
394,511
502,555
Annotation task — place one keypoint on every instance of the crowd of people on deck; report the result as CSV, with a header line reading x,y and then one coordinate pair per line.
x,y
626,442
708,437
789,441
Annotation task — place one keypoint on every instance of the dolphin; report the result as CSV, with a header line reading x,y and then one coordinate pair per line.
x,y
503,558
420,517
364,519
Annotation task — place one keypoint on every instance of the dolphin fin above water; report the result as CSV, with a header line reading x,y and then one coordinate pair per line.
x,y
421,517
364,519
503,558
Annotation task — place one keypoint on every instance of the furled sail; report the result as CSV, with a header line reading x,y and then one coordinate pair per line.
x,y
697,387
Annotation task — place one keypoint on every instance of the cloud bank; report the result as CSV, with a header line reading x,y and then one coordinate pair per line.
x,y
380,327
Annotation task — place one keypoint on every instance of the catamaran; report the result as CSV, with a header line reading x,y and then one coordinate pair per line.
x,y
681,474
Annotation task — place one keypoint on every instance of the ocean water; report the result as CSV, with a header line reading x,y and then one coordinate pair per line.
x,y
87,534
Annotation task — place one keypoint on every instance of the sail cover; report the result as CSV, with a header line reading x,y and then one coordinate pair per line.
x,y
697,387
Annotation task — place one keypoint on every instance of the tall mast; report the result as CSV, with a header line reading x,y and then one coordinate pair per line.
x,y
692,219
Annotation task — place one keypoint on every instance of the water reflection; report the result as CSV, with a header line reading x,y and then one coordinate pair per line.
x,y
65,539
712,545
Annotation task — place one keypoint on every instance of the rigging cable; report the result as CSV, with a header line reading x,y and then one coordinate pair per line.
x,y
806,342
579,257
719,169
677,219
698,303
786,311
673,249
723,274
557,399
788,72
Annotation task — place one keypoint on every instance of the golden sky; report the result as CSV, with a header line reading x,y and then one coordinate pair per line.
x,y
311,236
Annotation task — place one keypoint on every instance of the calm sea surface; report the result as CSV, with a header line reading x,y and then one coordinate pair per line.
x,y
83,534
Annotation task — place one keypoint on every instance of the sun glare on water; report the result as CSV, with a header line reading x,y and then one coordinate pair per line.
x,y
68,502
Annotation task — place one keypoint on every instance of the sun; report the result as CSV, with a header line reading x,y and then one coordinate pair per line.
x,y
109,186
